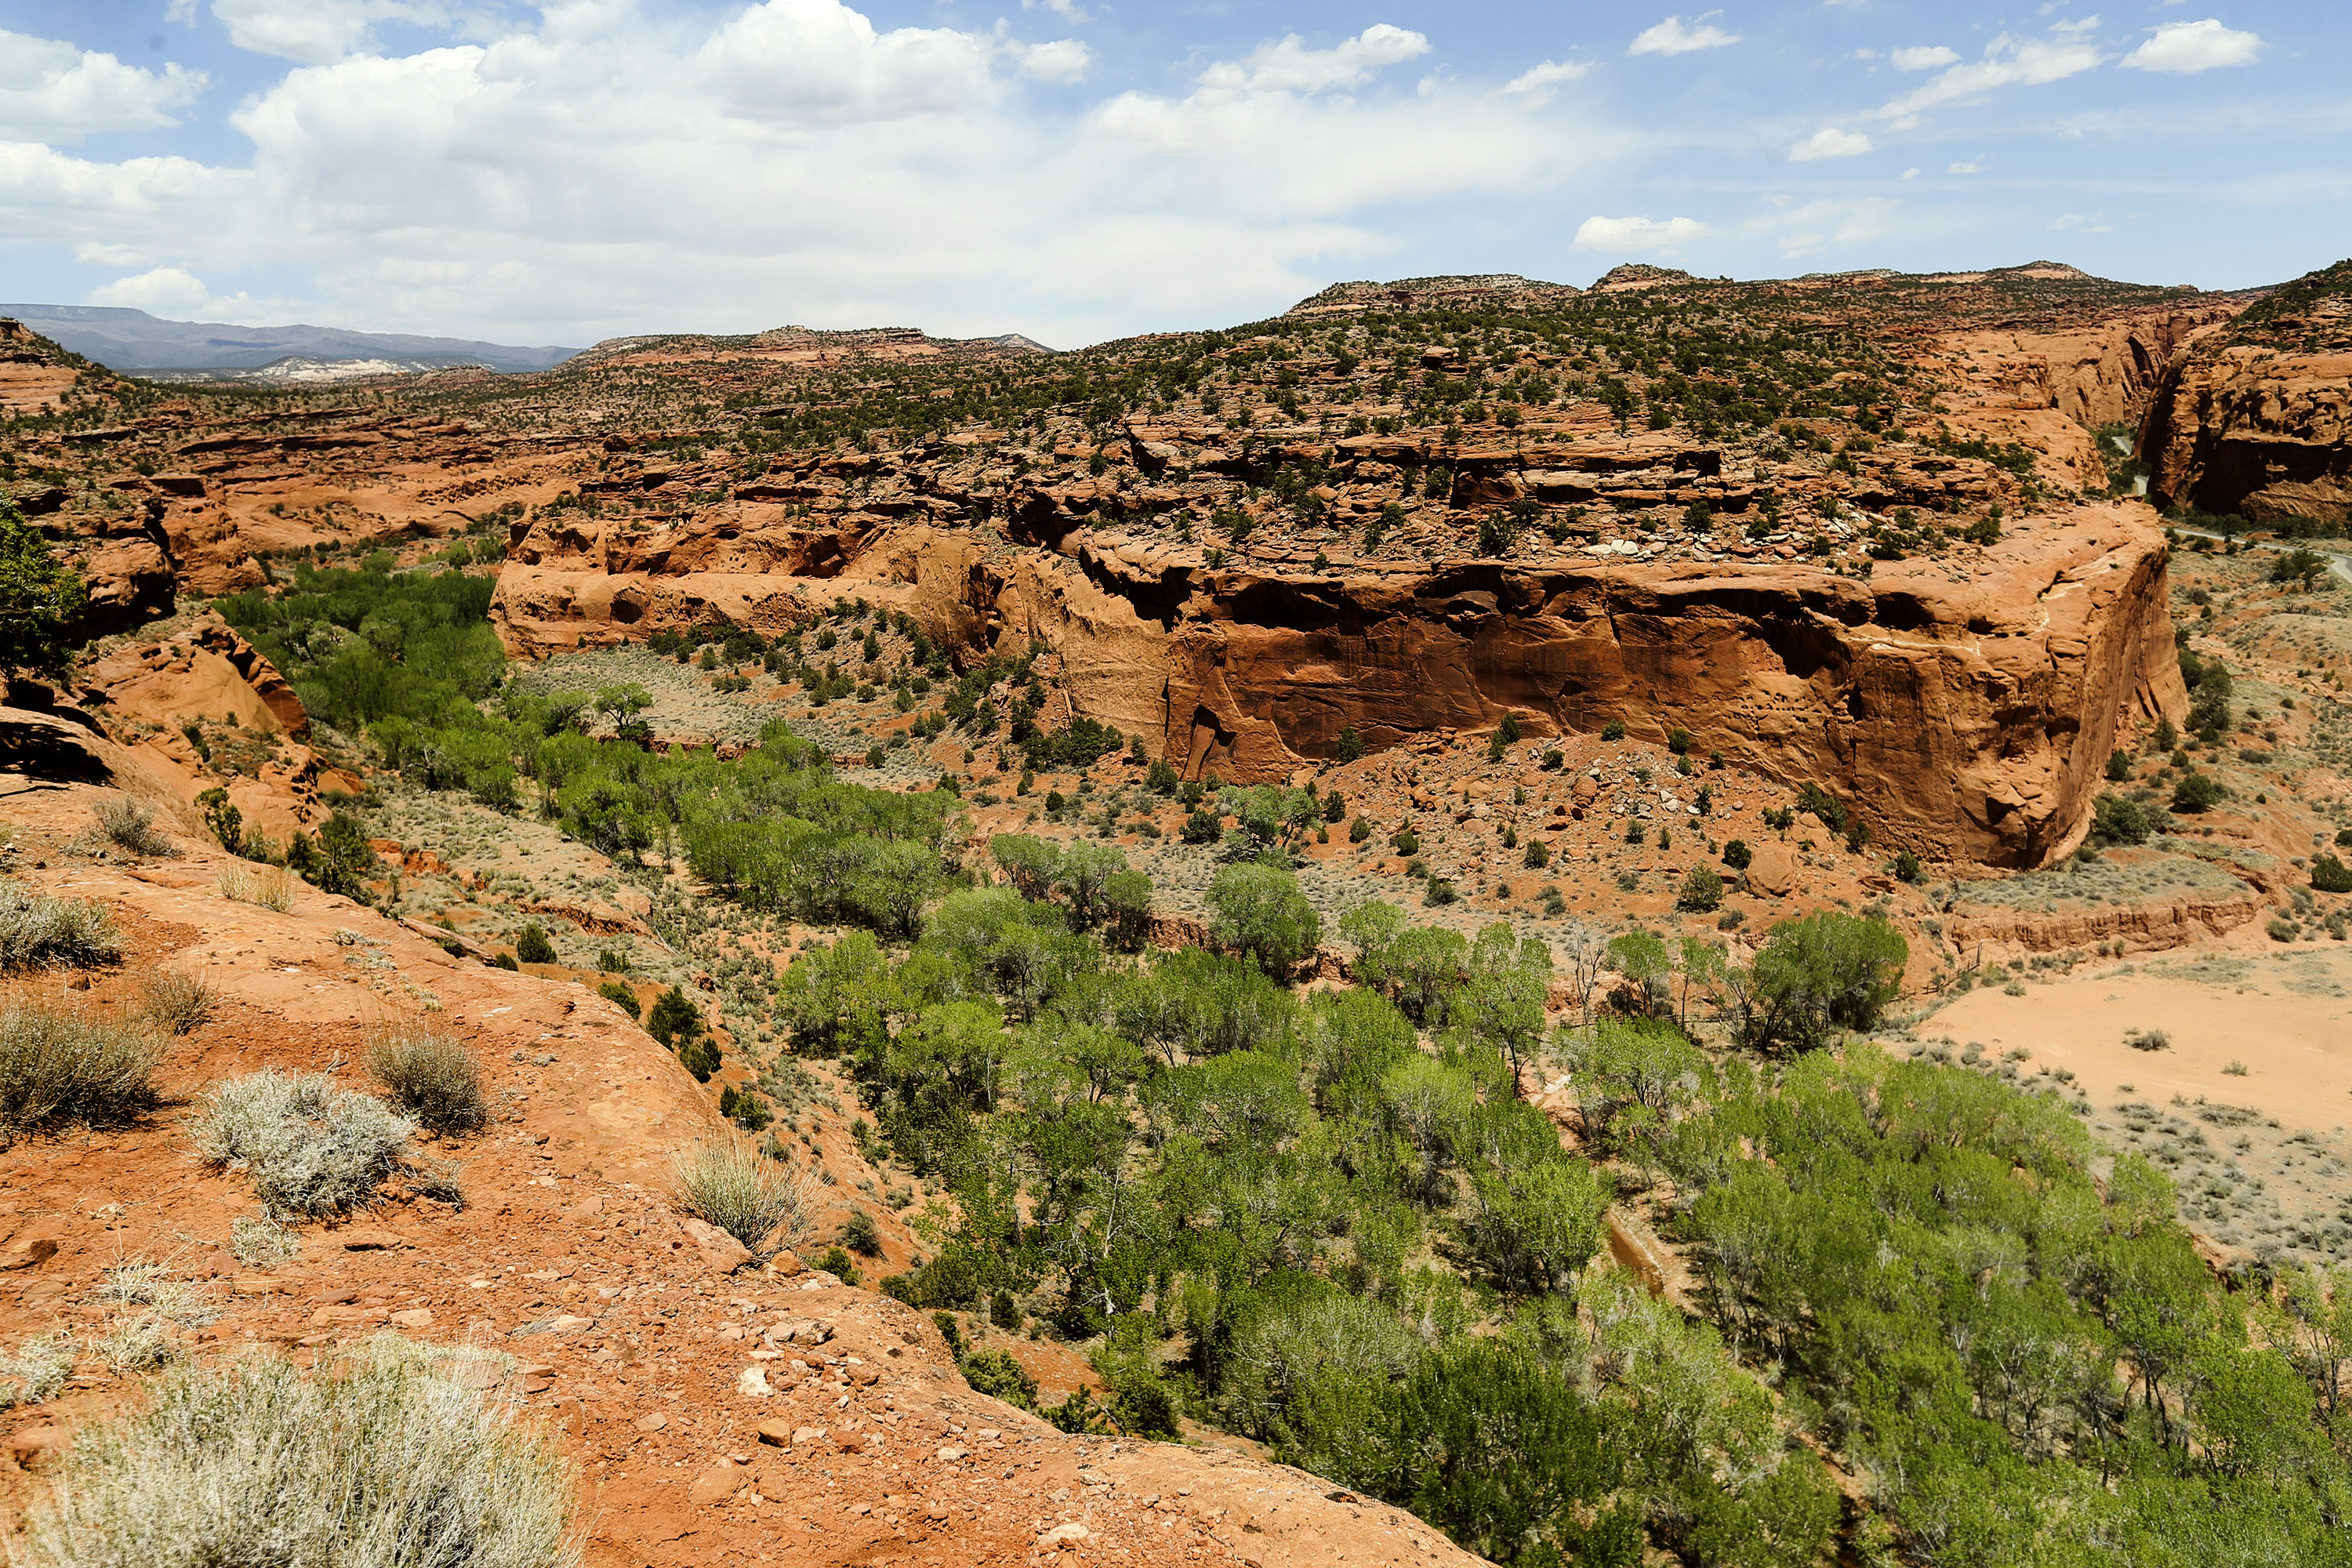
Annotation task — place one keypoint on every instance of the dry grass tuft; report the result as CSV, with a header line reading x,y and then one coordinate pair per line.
x,y
271,887
432,1078
128,825
174,1000
59,1069
36,929
762,1204
385,1461
37,1371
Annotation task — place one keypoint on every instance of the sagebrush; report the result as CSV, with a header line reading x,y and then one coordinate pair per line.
x,y
37,929
129,826
309,1148
760,1204
386,1461
432,1078
64,1068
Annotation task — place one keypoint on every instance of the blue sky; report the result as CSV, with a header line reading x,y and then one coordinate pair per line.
x,y
1077,170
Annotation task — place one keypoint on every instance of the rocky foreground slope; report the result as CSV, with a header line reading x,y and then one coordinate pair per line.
x,y
714,1411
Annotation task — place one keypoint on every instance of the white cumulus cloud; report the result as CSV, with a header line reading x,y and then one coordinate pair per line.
x,y
2189,47
1830,142
1550,74
2008,61
1672,37
1625,235
317,31
1289,66
1063,60
53,92
1931,56
605,167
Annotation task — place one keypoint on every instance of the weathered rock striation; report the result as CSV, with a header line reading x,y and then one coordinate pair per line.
x,y
1968,717
2254,418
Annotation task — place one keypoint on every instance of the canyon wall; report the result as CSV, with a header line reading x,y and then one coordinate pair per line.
x,y
1966,718
2249,430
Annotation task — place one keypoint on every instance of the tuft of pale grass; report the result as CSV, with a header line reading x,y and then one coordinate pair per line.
x,y
385,1460
128,825
261,1243
175,1000
60,1068
431,1077
309,1148
726,1183
271,887
70,932
37,1371
150,1307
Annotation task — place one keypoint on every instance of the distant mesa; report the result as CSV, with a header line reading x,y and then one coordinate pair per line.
x,y
137,343
1506,289
1638,275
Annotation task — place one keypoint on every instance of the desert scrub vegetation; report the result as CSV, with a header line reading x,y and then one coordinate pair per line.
x,y
383,1461
129,825
432,1078
726,1183
177,1002
149,1310
271,887
37,1371
308,1148
69,1068
37,929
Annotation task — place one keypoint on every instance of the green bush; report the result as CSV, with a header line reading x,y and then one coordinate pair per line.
x,y
674,1016
1359,830
1907,868
532,946
1738,855
1350,746
2198,792
999,1375
1613,730
1816,976
41,601
1260,914
2119,820
2330,875
1701,892
861,1235
619,995
384,1455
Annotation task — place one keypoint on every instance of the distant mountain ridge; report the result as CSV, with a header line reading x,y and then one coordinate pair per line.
x,y
130,340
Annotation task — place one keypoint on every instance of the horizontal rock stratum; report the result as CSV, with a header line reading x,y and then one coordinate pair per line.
x,y
1969,717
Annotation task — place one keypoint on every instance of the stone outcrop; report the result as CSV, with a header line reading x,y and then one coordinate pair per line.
x,y
1969,718
2254,419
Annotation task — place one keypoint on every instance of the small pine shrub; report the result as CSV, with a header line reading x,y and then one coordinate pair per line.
x,y
1738,855
861,1235
999,1375
1613,730
2330,875
620,996
532,946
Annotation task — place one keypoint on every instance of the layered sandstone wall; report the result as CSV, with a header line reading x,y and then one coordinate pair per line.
x,y
1968,718
2249,429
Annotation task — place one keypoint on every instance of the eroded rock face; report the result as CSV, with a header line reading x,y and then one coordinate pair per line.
x,y
2254,418
1969,717
2251,431
1969,720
